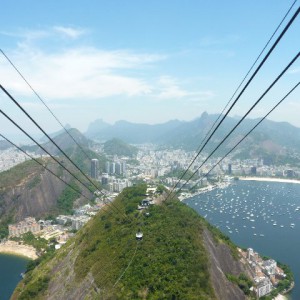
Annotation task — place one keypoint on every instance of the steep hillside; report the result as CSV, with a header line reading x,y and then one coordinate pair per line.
x,y
177,258
65,141
30,190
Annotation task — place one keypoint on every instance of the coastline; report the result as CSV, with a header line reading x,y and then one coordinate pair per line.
x,y
13,248
281,297
270,179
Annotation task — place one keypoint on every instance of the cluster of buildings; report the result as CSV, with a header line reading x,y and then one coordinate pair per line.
x,y
111,178
29,224
266,273
260,167
116,167
12,157
61,228
156,165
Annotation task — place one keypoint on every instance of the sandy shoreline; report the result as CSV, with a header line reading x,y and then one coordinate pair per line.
x,y
11,247
270,179
281,297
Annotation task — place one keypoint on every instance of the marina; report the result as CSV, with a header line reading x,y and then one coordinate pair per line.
x,y
261,215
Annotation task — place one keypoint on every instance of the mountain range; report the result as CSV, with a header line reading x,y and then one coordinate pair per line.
x,y
270,137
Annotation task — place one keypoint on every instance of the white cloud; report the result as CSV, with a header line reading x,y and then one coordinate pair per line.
x,y
170,89
69,31
86,73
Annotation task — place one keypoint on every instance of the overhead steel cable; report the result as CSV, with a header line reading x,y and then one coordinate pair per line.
x,y
248,72
62,151
249,132
245,115
133,256
54,158
47,135
49,170
40,98
240,94
44,149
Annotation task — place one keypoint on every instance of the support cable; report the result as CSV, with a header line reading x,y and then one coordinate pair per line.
x,y
240,94
250,109
133,256
249,132
243,80
49,170
62,151
40,98
53,157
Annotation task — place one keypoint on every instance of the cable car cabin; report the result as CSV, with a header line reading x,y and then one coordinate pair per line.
x,y
145,202
139,236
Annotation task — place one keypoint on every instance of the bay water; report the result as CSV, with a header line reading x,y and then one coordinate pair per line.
x,y
11,267
264,216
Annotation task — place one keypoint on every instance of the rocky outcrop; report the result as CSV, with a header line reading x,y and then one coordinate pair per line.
x,y
35,195
222,263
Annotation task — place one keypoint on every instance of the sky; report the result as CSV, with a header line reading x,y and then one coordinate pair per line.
x,y
142,61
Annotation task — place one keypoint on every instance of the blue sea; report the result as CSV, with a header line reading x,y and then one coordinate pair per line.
x,y
264,216
10,269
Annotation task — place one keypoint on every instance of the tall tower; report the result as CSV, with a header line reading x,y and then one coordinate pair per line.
x,y
94,168
229,171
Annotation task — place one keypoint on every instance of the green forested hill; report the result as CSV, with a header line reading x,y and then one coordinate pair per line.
x,y
104,260
120,148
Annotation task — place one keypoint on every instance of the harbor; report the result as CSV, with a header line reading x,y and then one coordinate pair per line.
x,y
257,214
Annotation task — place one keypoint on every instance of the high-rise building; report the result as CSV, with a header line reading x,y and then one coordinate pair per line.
x,y
123,169
104,178
118,168
107,167
229,171
112,168
94,168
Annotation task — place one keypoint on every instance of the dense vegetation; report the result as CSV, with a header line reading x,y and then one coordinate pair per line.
x,y
120,148
169,263
29,239
177,173
243,282
171,251
67,198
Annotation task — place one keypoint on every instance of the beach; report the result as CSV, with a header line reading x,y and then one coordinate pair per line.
x,y
270,179
11,247
281,297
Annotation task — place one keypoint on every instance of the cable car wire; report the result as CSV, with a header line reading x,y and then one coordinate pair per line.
x,y
247,113
249,132
54,158
49,170
240,94
62,151
48,108
248,72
